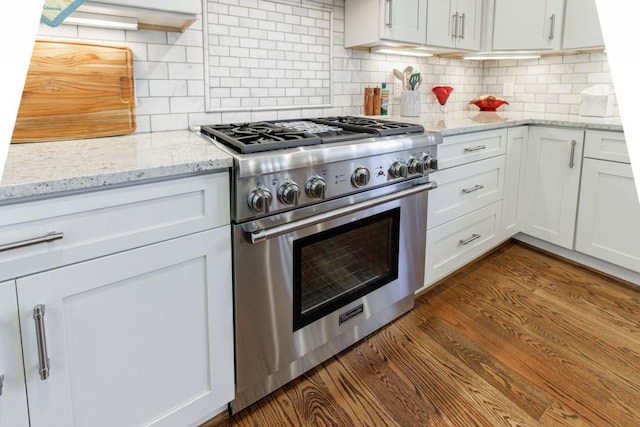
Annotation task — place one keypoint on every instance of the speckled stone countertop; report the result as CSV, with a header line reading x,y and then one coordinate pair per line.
x,y
459,122
46,168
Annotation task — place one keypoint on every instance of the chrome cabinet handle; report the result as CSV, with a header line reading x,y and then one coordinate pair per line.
x,y
472,189
390,8
49,237
462,21
473,237
476,148
41,338
553,26
573,153
1,383
454,21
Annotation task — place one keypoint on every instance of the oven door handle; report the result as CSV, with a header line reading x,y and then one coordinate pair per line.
x,y
264,234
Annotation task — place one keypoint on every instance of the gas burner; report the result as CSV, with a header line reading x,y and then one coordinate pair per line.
x,y
260,136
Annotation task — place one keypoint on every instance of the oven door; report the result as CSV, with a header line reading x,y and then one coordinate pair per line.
x,y
302,284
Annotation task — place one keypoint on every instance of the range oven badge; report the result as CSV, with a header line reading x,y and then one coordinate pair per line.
x,y
351,313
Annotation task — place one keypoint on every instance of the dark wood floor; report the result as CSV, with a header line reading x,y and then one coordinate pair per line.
x,y
519,338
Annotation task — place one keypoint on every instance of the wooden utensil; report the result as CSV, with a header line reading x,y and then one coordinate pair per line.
x,y
76,90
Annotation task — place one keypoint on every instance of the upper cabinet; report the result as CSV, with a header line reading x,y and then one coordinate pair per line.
x,y
454,23
581,25
370,22
150,14
182,6
527,24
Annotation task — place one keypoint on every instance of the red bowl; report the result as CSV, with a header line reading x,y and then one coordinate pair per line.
x,y
490,103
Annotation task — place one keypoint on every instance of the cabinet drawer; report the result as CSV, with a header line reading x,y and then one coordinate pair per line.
x,y
97,223
464,189
454,244
459,149
605,145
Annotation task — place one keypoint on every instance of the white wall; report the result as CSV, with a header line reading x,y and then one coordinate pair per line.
x,y
169,71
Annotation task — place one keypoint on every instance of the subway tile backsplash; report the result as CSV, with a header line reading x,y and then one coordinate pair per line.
x,y
170,72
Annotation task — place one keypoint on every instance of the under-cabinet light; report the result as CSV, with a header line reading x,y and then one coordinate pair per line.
x,y
400,51
102,21
496,56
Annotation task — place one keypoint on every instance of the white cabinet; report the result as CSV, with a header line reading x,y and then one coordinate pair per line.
x,y
13,397
454,24
526,24
182,6
142,337
581,28
135,298
608,225
464,212
554,158
370,22
163,15
514,180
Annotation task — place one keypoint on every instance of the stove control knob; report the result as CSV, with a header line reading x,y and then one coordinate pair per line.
x,y
398,170
260,199
316,187
288,193
420,165
360,177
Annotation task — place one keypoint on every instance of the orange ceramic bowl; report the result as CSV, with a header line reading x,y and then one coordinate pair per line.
x,y
490,103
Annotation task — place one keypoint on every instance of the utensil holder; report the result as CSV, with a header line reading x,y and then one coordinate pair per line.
x,y
410,103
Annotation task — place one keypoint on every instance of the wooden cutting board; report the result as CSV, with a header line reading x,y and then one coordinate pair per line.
x,y
76,90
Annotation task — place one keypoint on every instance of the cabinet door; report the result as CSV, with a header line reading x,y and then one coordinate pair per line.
x,y
404,20
455,23
442,22
142,337
554,158
525,24
515,162
470,27
608,226
13,396
581,28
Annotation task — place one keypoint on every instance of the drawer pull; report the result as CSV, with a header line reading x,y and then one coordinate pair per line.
x,y
1,383
49,237
472,189
473,237
476,148
41,339
573,153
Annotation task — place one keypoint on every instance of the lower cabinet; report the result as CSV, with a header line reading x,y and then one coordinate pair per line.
x,y
514,180
456,243
139,338
464,212
13,397
608,225
552,181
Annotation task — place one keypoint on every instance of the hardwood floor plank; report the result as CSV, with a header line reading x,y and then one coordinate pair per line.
x,y
518,338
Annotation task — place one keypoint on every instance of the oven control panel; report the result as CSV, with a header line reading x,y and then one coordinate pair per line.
x,y
281,191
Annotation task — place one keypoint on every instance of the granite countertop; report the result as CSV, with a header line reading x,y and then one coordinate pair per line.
x,y
44,168
459,122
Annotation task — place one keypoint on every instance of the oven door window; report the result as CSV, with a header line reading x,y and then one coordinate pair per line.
x,y
335,267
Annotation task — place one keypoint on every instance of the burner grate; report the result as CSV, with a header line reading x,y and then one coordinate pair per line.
x,y
261,136
377,126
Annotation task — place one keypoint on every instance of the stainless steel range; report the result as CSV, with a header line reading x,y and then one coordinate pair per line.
x,y
329,229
